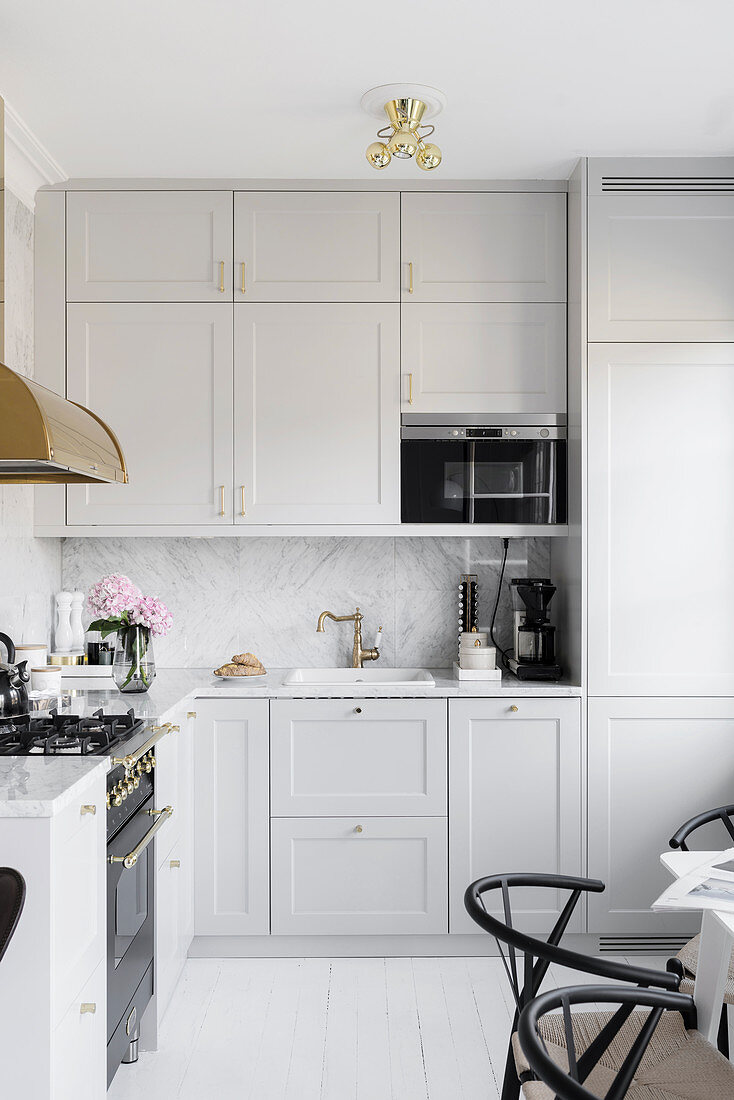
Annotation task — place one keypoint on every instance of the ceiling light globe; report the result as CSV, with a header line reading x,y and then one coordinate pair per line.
x,y
403,144
378,154
429,156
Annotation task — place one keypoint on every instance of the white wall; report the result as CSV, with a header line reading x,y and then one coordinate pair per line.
x,y
265,594
30,568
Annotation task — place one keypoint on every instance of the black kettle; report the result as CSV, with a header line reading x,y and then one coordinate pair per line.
x,y
13,680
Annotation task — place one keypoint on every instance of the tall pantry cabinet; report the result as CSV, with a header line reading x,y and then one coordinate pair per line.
x,y
660,512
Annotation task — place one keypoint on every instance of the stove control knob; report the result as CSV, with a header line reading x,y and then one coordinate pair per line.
x,y
123,792
109,799
148,765
139,768
116,796
152,761
129,786
136,782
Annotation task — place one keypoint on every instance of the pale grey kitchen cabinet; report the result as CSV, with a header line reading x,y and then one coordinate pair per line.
x,y
490,247
515,802
149,246
653,763
160,374
316,413
660,267
311,246
506,359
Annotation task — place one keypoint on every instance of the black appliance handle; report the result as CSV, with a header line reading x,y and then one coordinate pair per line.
x,y
10,646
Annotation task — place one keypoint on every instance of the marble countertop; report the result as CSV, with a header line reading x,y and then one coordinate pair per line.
x,y
41,786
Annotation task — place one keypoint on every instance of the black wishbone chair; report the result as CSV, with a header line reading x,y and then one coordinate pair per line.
x,y
642,1055
12,900
538,954
688,954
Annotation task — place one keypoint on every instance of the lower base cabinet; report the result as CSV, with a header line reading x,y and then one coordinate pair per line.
x,y
515,786
653,763
80,1044
174,919
338,876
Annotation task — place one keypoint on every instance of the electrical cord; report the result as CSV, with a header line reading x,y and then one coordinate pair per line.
x,y
495,643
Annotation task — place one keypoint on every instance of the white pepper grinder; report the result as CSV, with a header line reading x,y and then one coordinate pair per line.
x,y
77,630
63,636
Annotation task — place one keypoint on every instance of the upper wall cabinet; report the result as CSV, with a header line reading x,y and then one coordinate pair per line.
x,y
499,247
484,358
295,246
317,413
161,376
660,267
149,246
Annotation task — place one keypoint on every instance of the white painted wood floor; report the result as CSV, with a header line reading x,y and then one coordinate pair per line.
x,y
333,1029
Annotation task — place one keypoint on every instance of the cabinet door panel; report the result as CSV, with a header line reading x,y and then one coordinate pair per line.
x,y
661,452
316,247
80,1044
653,764
149,246
232,811
660,267
317,413
484,248
173,920
331,757
514,802
484,358
339,876
161,377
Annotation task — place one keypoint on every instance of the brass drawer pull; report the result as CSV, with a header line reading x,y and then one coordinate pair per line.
x,y
173,863
514,708
221,500
410,282
410,388
242,284
221,276
87,1006
191,714
358,828
243,511
88,810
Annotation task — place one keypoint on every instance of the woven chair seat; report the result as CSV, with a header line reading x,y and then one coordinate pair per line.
x,y
688,955
677,1065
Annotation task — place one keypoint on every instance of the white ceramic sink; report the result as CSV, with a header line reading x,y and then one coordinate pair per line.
x,y
359,677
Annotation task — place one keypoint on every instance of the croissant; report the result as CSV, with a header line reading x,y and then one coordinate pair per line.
x,y
246,659
233,669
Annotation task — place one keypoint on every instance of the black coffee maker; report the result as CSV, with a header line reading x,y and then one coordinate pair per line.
x,y
534,657
13,690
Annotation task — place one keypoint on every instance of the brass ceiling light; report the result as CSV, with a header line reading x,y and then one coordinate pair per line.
x,y
407,108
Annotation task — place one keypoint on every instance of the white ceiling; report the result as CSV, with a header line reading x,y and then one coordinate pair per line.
x,y
251,88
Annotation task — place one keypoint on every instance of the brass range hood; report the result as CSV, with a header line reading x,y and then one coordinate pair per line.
x,y
45,439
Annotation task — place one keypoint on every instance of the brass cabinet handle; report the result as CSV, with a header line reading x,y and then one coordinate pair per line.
x,y
131,858
221,500
243,511
221,276
513,708
242,284
88,1006
410,278
191,714
88,810
410,388
358,828
174,863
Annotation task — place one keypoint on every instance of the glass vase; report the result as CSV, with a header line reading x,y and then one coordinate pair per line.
x,y
133,667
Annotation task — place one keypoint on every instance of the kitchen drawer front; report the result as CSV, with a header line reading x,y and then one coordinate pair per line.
x,y
78,891
358,756
342,876
80,1043
149,246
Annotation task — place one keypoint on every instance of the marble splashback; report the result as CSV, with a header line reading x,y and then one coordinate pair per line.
x,y
30,568
265,594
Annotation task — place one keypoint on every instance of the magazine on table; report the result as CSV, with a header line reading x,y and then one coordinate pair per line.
x,y
710,886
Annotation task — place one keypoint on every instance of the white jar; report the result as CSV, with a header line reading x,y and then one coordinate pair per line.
x,y
474,639
47,680
34,653
477,658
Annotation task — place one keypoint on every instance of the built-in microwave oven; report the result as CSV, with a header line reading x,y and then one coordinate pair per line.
x,y
503,474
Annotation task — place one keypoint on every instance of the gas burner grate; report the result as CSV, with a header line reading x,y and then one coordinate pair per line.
x,y
59,734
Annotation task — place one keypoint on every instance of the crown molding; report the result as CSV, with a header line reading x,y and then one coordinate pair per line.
x,y
28,164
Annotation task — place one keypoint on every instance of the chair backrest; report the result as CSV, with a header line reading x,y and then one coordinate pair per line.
x,y
12,899
567,1084
538,954
724,814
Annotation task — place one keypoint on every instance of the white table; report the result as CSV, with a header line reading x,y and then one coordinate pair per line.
x,y
717,940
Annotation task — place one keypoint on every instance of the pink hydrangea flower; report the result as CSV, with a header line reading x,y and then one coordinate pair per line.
x,y
112,595
152,613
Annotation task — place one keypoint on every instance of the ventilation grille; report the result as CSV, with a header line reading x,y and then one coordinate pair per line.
x,y
671,185
641,945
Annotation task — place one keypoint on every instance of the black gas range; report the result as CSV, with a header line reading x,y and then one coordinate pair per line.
x,y
132,822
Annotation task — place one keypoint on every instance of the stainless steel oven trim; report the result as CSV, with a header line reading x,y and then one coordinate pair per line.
x,y
480,420
457,434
